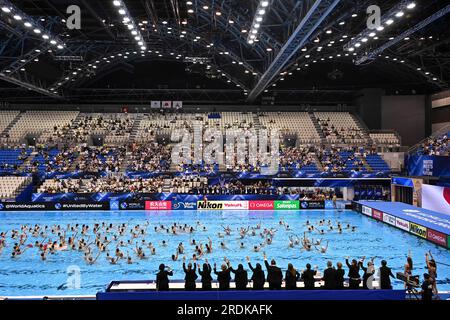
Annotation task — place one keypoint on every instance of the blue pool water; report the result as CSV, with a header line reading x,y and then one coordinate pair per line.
x,y
28,275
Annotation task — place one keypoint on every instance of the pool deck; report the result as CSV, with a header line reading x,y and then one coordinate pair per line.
x,y
430,225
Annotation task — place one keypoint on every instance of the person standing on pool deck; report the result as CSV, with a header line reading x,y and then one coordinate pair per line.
x,y
240,277
274,274
427,288
291,278
206,275
190,277
353,273
308,277
385,274
368,273
258,276
223,276
330,277
162,278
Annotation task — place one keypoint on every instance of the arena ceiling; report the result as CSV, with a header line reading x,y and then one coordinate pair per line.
x,y
199,50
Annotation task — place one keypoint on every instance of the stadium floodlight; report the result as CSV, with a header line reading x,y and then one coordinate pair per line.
x,y
261,11
16,15
130,23
396,12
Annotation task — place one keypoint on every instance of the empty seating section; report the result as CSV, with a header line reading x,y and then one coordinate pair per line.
x,y
296,123
11,186
340,127
6,117
37,123
12,158
377,163
385,139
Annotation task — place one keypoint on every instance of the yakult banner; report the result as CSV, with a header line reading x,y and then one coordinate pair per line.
x,y
402,224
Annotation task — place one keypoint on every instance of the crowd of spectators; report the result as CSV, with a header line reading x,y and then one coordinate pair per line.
x,y
152,157
101,159
343,134
102,184
435,146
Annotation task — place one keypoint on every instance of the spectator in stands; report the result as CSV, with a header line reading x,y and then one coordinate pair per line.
x,y
206,275
162,278
330,277
274,274
258,277
190,276
240,277
291,278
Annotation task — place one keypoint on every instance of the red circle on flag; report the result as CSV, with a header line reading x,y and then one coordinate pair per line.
x,y
447,195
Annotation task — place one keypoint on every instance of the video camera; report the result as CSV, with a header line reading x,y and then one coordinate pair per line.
x,y
412,281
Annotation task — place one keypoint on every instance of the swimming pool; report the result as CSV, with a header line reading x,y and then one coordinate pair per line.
x,y
28,275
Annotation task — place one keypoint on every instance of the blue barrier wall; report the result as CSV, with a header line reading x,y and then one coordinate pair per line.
x,y
257,295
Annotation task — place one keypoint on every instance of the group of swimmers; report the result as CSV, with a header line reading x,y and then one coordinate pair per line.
x,y
126,242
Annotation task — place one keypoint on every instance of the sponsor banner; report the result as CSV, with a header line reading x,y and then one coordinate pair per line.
x,y
437,237
418,230
209,205
235,205
81,206
49,206
158,205
132,205
261,205
387,218
377,214
184,205
367,211
222,205
14,206
312,204
286,205
402,224
357,207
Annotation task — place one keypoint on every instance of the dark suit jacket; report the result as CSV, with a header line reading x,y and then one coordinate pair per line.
x,y
330,276
162,280
274,274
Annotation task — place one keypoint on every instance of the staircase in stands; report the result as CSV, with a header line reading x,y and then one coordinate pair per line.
x,y
318,127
